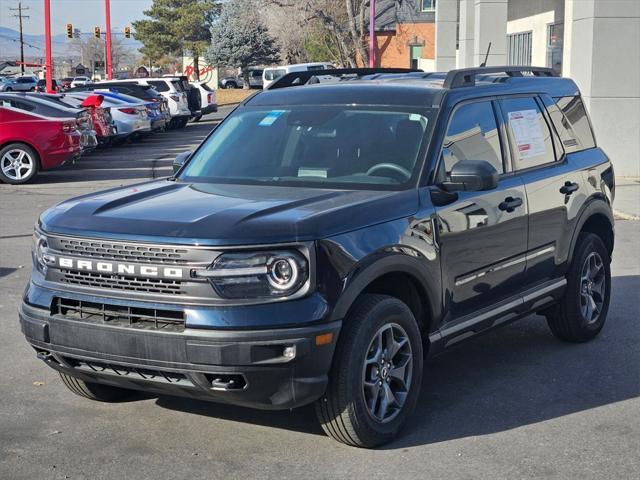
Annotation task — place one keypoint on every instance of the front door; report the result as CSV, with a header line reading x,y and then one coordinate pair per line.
x,y
482,235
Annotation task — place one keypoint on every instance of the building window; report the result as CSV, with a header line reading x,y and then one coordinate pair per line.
x,y
519,48
555,41
428,5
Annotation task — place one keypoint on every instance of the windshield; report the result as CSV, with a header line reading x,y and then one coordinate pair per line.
x,y
327,147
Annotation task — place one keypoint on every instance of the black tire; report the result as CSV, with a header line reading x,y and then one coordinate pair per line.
x,y
567,320
9,89
342,410
182,122
230,85
95,391
29,155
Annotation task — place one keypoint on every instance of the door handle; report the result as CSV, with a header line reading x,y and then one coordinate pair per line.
x,y
569,187
510,204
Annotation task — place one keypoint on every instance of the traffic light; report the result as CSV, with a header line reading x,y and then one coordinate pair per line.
x,y
96,32
127,32
69,30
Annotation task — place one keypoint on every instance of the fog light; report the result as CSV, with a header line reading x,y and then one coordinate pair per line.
x,y
289,352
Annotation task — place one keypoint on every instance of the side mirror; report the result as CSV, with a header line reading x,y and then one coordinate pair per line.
x,y
180,159
471,176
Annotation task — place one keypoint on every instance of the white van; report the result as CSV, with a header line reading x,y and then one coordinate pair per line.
x,y
271,74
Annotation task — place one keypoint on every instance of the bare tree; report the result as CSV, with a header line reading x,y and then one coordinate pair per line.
x,y
345,20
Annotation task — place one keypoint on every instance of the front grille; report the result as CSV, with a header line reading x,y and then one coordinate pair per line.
x,y
119,315
135,373
122,282
123,251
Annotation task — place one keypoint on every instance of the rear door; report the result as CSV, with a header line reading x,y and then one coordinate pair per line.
x,y
553,185
482,235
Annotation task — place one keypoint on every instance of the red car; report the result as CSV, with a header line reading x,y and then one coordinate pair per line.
x,y
30,142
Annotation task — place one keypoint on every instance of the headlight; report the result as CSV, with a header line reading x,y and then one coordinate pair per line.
x,y
257,274
40,252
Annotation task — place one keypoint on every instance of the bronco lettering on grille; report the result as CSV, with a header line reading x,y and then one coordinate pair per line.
x,y
119,268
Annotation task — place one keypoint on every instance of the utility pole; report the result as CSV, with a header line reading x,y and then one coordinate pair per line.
x,y
107,53
21,16
47,45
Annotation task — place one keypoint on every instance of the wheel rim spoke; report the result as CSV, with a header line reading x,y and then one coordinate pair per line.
x,y
592,287
387,372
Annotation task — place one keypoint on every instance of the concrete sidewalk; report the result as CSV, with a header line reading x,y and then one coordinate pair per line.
x,y
626,204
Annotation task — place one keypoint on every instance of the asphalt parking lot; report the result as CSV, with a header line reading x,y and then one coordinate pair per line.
x,y
516,403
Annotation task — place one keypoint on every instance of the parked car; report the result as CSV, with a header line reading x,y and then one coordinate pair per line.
x,y
65,83
207,99
255,80
45,105
21,84
4,83
129,119
193,95
30,143
170,89
80,81
271,74
324,238
155,110
100,115
41,86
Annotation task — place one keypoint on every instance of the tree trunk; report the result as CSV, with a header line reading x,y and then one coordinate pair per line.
x,y
356,38
196,66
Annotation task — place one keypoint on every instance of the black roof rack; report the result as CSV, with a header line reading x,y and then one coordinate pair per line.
x,y
295,79
466,77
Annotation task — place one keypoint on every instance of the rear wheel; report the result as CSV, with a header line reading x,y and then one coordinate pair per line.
x,y
376,375
18,163
581,313
230,85
95,391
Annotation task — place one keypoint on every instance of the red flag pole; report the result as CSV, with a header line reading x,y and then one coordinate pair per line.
x,y
372,33
107,9
47,44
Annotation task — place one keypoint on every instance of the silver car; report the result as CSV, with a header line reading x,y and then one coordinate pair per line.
x,y
20,84
129,118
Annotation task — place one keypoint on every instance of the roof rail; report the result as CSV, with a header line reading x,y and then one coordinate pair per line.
x,y
296,79
466,77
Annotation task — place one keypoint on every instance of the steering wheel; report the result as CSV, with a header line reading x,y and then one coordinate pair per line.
x,y
406,174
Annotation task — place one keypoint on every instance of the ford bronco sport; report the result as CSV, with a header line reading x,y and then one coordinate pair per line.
x,y
325,237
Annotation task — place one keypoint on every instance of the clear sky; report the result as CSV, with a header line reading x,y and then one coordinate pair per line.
x,y
83,14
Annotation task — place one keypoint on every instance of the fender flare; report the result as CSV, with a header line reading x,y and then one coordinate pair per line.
x,y
594,206
363,275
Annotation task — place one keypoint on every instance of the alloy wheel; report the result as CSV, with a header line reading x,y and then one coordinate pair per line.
x,y
16,164
592,287
387,372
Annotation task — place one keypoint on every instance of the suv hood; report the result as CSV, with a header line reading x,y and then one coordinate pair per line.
x,y
205,214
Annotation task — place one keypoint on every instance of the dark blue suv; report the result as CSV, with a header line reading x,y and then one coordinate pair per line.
x,y
325,237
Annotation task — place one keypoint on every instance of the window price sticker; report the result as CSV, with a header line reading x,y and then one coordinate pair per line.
x,y
525,126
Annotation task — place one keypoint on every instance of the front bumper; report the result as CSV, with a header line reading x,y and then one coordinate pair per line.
x,y
241,367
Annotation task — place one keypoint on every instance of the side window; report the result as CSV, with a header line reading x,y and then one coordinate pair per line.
x,y
473,135
529,133
576,117
159,85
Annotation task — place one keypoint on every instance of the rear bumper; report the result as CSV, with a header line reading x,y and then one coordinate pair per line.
x,y
197,363
212,108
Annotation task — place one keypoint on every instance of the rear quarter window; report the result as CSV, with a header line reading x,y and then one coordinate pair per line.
x,y
159,85
573,124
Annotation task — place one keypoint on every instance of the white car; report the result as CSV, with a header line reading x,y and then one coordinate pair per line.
x,y
271,74
208,101
80,81
173,91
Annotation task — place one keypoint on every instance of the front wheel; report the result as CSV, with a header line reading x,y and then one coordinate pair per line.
x,y
376,374
581,313
95,391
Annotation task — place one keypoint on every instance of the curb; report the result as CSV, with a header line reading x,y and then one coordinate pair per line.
x,y
625,216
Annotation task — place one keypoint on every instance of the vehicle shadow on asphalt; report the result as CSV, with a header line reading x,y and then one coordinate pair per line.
x,y
515,376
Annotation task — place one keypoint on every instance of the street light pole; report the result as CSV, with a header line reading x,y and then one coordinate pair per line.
x,y
47,43
372,33
107,9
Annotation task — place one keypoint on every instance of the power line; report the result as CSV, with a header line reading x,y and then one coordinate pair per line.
x,y
21,16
